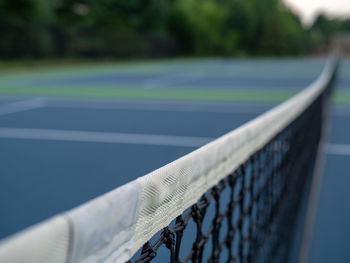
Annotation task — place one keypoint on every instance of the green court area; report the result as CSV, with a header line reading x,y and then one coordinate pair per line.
x,y
214,80
158,94
217,95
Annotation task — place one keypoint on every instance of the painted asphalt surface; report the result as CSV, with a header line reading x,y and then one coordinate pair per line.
x,y
69,135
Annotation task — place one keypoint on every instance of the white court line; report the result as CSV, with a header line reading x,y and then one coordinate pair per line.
x,y
102,137
24,105
235,108
338,149
128,138
242,109
146,106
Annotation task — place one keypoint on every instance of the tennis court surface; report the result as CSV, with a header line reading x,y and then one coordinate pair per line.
x,y
68,136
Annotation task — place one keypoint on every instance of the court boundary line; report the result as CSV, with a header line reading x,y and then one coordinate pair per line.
x,y
235,108
129,138
170,106
241,109
102,137
338,149
23,105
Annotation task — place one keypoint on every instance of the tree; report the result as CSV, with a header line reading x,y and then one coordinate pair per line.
x,y
24,28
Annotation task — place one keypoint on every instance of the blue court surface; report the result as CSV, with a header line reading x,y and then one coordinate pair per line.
x,y
68,135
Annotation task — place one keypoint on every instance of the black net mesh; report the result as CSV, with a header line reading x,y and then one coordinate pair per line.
x,y
255,221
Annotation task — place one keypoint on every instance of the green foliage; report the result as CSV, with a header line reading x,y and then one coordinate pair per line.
x,y
283,34
323,28
128,15
241,22
230,27
23,28
129,28
198,23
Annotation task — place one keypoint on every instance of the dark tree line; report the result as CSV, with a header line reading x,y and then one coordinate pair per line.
x,y
148,28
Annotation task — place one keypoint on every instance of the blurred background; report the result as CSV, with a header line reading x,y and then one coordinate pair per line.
x,y
95,93
168,28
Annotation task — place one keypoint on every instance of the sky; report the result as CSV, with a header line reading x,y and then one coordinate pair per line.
x,y
307,9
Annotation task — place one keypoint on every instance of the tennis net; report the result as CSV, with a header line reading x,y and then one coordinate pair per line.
x,y
254,179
